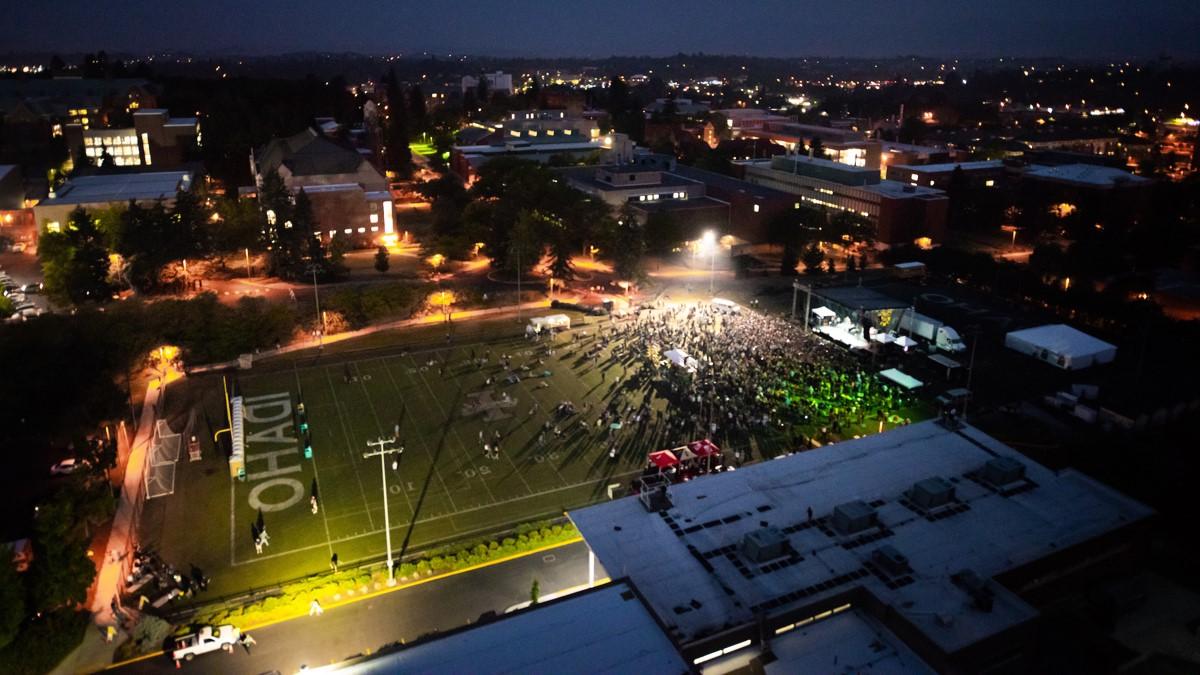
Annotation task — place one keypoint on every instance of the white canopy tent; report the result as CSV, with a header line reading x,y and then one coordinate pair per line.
x,y
1061,346
681,359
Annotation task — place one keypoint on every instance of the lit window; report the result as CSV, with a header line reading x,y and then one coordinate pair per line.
x,y
914,177
348,230
362,229
54,226
375,229
989,183
514,132
87,142
756,208
549,132
146,147
796,206
931,183
374,217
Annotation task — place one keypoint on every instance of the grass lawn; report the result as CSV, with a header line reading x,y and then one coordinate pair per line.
x,y
442,487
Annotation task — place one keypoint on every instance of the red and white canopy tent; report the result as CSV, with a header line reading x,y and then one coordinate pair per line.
x,y
663,459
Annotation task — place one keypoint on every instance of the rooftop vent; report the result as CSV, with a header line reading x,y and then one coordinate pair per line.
x,y
853,517
764,544
1003,471
891,560
931,492
976,587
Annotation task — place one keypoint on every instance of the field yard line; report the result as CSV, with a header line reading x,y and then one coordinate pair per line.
x,y
445,489
317,476
232,524
345,434
379,425
301,549
455,431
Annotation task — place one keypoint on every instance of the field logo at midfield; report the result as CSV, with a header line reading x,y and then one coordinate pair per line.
x,y
274,410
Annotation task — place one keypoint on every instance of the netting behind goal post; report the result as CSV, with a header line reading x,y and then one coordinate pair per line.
x,y
160,462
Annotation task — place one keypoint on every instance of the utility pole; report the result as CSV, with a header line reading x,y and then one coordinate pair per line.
x,y
382,452
971,370
314,268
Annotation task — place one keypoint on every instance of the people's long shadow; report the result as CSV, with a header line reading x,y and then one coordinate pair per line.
x,y
437,452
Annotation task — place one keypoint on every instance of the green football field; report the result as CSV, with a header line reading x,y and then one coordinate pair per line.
x,y
442,487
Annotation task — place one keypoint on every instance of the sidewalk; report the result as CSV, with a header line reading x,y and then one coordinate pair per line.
x,y
94,653
427,320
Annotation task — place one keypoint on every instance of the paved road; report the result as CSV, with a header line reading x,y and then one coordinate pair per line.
x,y
402,615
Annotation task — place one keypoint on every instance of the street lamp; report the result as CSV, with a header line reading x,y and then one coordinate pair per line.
x,y
314,268
709,241
247,262
381,452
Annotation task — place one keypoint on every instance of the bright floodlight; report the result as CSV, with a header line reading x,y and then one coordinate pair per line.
x,y
709,238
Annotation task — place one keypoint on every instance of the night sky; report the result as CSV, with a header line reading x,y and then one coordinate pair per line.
x,y
1070,28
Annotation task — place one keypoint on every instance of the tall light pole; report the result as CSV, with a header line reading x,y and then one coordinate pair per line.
x,y
382,452
247,262
314,268
710,242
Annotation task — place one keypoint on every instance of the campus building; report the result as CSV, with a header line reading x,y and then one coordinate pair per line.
x,y
695,198
60,101
928,546
901,212
568,141
349,195
497,83
981,174
155,139
95,193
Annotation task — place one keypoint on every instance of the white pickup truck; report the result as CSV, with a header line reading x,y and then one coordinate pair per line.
x,y
206,639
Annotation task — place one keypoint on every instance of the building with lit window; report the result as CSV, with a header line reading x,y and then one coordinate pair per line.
x,y
72,100
928,548
155,139
349,195
901,212
497,83
982,174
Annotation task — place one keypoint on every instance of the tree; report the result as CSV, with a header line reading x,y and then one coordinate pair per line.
x,y
663,233
75,261
816,148
789,260
61,571
397,155
628,246
522,246
831,265
381,260
416,108
534,592
812,257
12,602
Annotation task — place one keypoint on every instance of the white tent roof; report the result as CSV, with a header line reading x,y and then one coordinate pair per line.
x,y
824,312
1060,338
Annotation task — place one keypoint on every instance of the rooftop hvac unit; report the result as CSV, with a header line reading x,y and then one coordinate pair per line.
x,y
976,587
853,517
764,544
891,560
931,492
1003,470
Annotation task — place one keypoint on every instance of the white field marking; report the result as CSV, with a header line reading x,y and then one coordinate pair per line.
x,y
349,449
420,438
377,532
317,477
455,431
460,442
379,426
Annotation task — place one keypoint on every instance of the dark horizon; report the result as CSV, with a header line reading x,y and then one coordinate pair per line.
x,y
1096,30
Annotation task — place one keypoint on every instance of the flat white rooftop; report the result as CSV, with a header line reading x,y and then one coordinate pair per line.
x,y
847,642
607,630
1087,174
121,187
689,563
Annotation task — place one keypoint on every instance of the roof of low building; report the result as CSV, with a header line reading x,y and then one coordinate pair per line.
x,y
689,562
943,167
605,630
1090,175
145,186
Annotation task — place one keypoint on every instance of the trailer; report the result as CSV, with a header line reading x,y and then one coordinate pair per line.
x,y
908,270
932,331
538,324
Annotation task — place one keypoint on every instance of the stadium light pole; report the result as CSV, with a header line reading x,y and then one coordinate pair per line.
x,y
382,452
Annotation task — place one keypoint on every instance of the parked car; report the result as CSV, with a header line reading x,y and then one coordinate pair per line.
x,y
67,466
32,288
